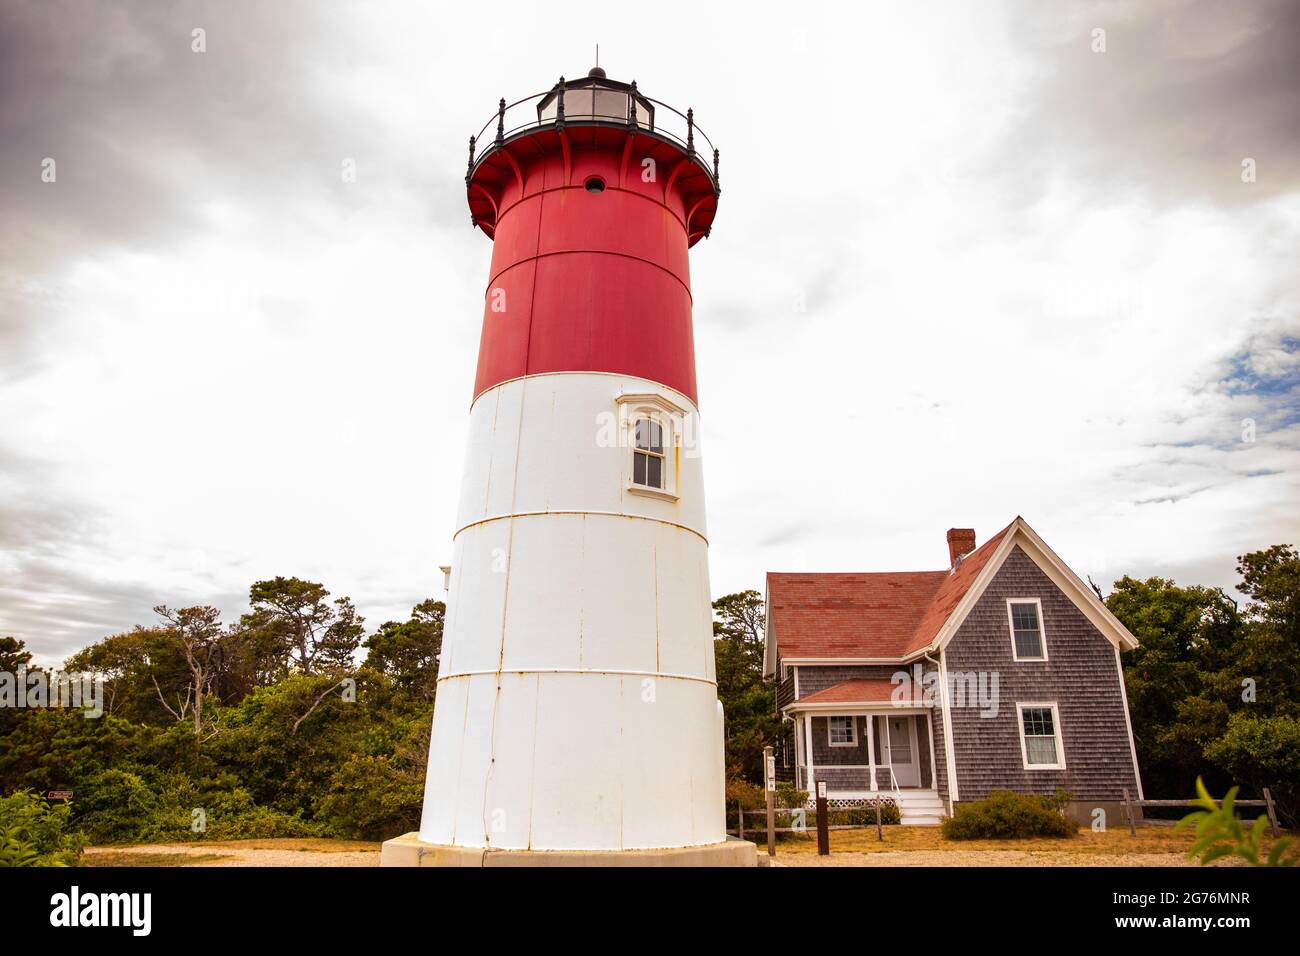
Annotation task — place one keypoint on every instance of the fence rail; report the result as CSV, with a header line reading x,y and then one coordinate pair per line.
x,y
1267,803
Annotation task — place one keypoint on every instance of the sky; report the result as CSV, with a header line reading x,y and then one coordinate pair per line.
x,y
972,260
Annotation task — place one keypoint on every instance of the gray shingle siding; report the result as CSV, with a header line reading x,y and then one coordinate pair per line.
x,y
813,678
1079,675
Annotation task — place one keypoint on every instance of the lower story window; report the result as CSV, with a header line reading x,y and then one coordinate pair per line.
x,y
843,732
1041,735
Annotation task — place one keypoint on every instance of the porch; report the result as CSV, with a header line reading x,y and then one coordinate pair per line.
x,y
866,751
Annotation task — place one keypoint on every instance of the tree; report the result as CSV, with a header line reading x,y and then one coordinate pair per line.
x,y
308,633
122,662
408,651
748,700
1269,651
1185,634
13,655
197,632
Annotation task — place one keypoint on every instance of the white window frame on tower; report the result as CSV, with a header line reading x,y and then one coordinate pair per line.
x,y
668,416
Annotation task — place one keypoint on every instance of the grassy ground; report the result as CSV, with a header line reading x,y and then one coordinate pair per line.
x,y
902,846
925,846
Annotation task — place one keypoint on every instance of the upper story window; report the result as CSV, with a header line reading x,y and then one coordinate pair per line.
x,y
648,456
1025,616
843,731
1040,737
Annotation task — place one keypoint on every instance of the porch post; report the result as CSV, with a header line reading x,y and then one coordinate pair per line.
x,y
871,750
808,743
798,752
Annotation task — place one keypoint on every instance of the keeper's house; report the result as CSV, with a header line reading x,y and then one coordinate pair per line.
x,y
1001,672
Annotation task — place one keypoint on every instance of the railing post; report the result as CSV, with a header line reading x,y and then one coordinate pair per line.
x,y
631,107
470,168
717,178
1272,811
769,788
501,122
559,107
690,131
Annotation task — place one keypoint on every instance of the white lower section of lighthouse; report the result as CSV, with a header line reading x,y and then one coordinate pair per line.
x,y
577,705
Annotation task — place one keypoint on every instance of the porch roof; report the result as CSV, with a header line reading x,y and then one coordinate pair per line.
x,y
866,690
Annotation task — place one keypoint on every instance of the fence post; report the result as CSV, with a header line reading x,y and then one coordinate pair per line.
x,y
769,784
1272,811
740,819
1128,812
880,831
823,835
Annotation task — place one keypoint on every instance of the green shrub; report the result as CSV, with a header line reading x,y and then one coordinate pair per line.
x,y
371,798
113,805
34,832
1008,816
866,816
788,795
134,806
749,795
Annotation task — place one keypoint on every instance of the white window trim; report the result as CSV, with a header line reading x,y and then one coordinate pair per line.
x,y
853,726
1042,628
1056,730
667,415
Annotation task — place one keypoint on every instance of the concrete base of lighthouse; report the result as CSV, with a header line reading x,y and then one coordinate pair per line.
x,y
410,850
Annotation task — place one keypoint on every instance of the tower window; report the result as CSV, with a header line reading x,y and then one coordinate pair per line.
x,y
648,456
595,184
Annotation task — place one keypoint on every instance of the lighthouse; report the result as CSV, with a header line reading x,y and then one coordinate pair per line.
x,y
577,718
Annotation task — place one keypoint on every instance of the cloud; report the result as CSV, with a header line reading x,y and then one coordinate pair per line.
x,y
964,268
1182,94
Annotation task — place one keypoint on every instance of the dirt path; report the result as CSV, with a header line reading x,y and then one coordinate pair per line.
x,y
238,853
980,858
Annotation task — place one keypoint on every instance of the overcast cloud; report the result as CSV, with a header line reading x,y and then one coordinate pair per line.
x,y
964,268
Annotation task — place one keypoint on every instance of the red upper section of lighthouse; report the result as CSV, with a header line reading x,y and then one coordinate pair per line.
x,y
592,204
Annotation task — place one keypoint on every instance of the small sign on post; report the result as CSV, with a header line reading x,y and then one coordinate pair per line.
x,y
769,765
823,831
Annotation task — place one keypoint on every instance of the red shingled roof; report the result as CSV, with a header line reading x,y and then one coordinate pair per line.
x,y
866,691
891,614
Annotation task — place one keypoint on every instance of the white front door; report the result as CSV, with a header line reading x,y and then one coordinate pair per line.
x,y
902,750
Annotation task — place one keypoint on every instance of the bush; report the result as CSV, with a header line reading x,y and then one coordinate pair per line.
x,y
125,806
371,799
34,832
1008,816
749,795
866,815
788,795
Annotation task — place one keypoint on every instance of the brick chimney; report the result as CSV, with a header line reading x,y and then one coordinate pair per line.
x,y
961,542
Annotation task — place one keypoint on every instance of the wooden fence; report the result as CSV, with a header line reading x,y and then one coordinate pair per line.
x,y
1267,803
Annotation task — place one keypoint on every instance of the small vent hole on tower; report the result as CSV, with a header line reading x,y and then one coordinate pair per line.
x,y
595,184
